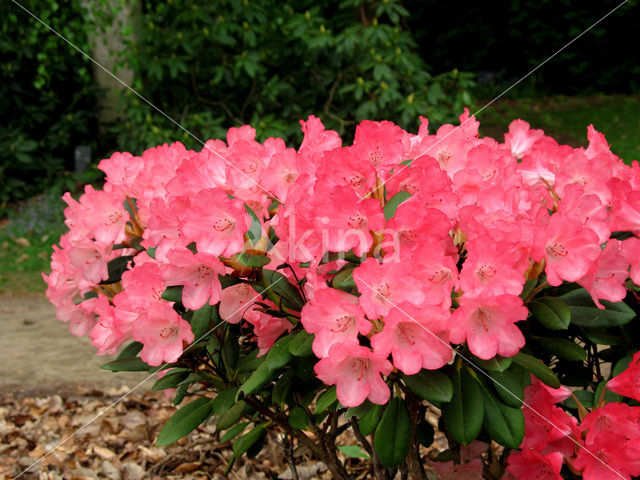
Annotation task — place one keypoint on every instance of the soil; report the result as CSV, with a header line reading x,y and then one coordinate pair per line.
x,y
39,355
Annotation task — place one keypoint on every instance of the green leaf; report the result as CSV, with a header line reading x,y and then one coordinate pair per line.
x,y
495,364
130,350
609,396
509,388
258,379
279,355
242,444
585,313
562,348
181,391
233,432
115,268
170,380
172,294
603,338
282,388
394,202
282,288
130,364
370,420
185,420
224,400
504,424
253,260
298,418
585,397
300,346
464,414
551,312
425,433
392,439
539,369
255,230
233,415
353,451
343,280
432,385
200,321
325,400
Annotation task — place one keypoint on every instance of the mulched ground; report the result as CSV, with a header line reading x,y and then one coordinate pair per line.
x,y
120,444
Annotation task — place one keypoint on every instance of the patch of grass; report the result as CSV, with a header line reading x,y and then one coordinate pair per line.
x,y
26,238
566,119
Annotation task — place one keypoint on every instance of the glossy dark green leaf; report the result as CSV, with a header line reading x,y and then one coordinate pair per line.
x,y
282,388
509,388
464,414
185,420
392,438
604,393
504,424
242,444
300,345
258,379
172,294
343,280
130,350
539,369
130,364
432,385
562,348
585,397
232,416
170,380
224,400
279,355
586,314
253,260
497,363
233,432
326,399
282,288
551,312
603,338
200,321
115,268
425,433
181,392
298,418
369,421
394,202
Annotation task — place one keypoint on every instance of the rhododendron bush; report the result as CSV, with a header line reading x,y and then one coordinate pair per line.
x,y
382,294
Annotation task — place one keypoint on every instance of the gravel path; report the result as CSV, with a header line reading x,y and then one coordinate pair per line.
x,y
38,354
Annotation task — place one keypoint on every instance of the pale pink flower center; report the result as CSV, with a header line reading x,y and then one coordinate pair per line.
x,y
113,218
382,291
355,180
375,157
168,332
485,272
289,178
357,221
409,187
405,336
482,318
359,368
440,276
343,322
556,249
443,157
223,224
409,235
203,274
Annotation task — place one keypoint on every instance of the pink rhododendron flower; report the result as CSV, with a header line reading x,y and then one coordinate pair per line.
x,y
216,223
199,275
487,324
162,332
569,249
521,138
606,277
235,302
609,457
627,383
530,464
385,285
334,317
356,372
416,338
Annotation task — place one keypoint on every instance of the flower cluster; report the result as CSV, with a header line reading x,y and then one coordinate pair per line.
x,y
445,230
604,445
